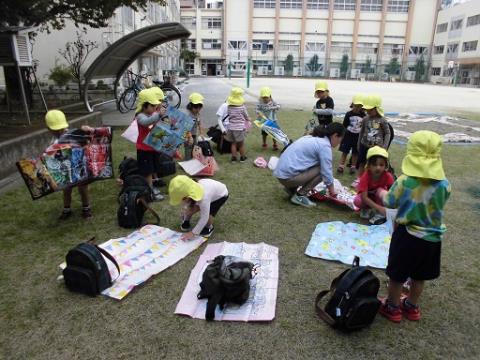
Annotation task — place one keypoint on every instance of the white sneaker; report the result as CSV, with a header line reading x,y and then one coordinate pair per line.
x,y
157,195
302,200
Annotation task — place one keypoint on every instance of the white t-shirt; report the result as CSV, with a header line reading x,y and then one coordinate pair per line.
x,y
212,191
222,116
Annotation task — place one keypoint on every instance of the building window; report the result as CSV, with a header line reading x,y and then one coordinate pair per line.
x,y
211,44
473,20
127,14
470,45
264,4
452,51
264,45
264,63
341,47
367,48
417,50
400,6
290,45
438,49
436,71
315,47
290,4
457,24
442,27
211,23
344,4
188,21
237,45
371,5
317,4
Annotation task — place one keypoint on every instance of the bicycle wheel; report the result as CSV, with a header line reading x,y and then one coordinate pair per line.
x,y
172,95
129,98
120,105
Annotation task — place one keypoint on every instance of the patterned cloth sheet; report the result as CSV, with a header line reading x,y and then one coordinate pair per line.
x,y
263,287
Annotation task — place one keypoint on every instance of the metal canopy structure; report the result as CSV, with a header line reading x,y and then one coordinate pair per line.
x,y
116,59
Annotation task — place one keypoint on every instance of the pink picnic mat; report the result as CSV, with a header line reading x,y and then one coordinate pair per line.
x,y
263,287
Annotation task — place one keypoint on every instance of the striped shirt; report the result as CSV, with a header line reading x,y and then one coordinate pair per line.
x,y
237,116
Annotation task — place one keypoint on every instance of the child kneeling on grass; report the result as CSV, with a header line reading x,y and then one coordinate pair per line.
x,y
419,195
372,182
206,196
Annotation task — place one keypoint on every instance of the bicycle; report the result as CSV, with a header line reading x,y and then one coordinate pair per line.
x,y
127,99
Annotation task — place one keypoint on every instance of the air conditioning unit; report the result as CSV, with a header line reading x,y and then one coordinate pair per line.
x,y
409,75
262,71
334,73
279,71
355,73
297,71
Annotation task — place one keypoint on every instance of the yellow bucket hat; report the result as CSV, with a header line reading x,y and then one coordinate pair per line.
x,y
182,186
236,97
265,92
158,93
358,99
321,86
377,151
56,120
372,101
196,98
423,156
146,96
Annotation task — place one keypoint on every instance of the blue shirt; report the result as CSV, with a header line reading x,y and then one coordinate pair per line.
x,y
303,154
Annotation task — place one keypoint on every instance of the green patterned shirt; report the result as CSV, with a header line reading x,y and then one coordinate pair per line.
x,y
420,204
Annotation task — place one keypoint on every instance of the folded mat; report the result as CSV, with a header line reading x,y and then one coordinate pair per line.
x,y
342,242
142,254
263,287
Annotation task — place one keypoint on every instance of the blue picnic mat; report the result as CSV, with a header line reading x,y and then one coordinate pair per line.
x,y
338,241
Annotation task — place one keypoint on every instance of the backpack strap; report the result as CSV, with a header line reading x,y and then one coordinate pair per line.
x,y
109,257
224,118
320,312
154,213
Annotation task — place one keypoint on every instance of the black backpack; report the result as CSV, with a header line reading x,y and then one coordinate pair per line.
x,y
353,303
225,280
223,146
134,198
87,271
206,148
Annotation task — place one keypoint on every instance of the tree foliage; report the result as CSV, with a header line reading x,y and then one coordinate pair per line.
x,y
188,55
289,64
344,66
393,67
52,14
75,53
419,69
313,64
60,74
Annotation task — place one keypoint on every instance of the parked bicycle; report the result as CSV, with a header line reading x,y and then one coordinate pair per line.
x,y
126,101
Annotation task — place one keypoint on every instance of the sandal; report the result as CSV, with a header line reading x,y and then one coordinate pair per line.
x,y
340,169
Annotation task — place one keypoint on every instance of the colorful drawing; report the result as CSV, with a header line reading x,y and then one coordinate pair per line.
x,y
69,164
272,128
345,196
263,287
342,242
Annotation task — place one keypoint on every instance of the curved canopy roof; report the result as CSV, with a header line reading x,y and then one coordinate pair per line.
x,y
116,59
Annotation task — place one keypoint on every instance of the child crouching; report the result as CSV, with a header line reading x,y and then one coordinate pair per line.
x,y
419,195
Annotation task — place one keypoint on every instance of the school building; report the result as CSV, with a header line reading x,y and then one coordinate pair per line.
x,y
456,52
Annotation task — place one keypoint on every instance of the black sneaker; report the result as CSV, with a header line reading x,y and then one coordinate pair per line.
x,y
65,214
243,158
207,231
185,225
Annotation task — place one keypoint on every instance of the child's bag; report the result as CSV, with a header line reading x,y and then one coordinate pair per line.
x,y
225,280
134,197
86,271
353,302
206,148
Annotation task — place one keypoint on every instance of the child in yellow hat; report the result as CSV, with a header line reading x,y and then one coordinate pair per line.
x,y
194,107
419,195
374,131
238,123
352,123
267,107
373,181
148,112
206,196
324,106
56,122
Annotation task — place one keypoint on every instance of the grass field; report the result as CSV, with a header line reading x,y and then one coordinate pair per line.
x,y
40,319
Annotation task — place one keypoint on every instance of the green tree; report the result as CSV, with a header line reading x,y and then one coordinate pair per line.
x,y
344,66
367,67
313,64
393,67
52,14
289,64
60,74
419,69
187,55
75,53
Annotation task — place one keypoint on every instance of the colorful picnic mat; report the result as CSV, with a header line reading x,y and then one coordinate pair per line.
x,y
342,242
263,287
142,254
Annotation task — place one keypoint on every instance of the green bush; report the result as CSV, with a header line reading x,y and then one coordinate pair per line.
x,y
60,74
101,85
